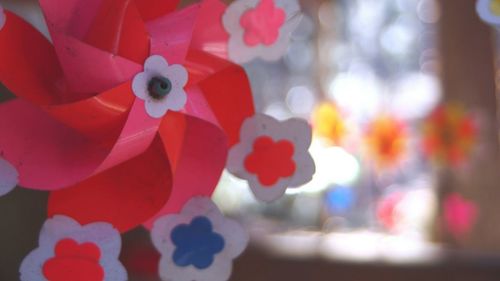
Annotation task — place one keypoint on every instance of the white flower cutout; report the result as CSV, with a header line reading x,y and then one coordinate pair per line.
x,y
161,86
489,11
9,177
68,251
260,28
198,244
272,155
3,18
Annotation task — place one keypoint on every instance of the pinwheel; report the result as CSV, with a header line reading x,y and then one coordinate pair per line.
x,y
125,115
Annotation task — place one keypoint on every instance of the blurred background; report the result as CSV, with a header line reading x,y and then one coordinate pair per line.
x,y
402,98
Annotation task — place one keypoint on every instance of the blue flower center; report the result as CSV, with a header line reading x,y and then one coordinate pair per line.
x,y
196,243
159,87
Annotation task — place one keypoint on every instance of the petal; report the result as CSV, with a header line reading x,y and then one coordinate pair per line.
x,y
29,68
8,177
176,100
201,160
140,85
155,108
124,196
177,74
152,9
226,89
156,64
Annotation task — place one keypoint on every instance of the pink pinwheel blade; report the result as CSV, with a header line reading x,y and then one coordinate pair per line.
x,y
201,160
124,196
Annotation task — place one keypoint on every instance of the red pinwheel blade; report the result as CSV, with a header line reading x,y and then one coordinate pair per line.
x,y
119,29
29,66
171,35
125,196
152,9
226,89
200,160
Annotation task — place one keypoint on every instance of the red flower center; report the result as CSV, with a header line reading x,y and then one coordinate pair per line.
x,y
271,160
262,24
75,262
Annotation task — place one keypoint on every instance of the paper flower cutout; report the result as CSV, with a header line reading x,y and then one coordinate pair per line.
x,y
8,177
70,251
387,210
340,199
449,135
329,124
489,11
260,28
198,244
161,86
272,155
85,117
459,214
386,139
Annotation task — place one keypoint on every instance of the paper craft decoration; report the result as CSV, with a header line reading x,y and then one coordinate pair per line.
x,y
387,210
124,115
340,199
449,135
260,28
386,139
489,11
8,177
69,251
328,123
93,123
272,155
199,243
459,214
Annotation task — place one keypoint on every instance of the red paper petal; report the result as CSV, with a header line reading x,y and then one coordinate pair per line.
x,y
151,9
226,89
29,65
119,29
125,196
201,160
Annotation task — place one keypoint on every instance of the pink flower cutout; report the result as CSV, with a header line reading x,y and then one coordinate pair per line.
x,y
459,214
271,160
263,23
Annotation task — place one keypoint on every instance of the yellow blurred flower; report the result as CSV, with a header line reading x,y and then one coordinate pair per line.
x,y
386,139
328,123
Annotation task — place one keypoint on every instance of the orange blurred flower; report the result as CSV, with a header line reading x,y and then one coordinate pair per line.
x,y
449,134
328,123
386,139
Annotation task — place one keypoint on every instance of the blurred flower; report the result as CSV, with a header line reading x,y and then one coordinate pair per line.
x,y
489,11
387,210
449,135
260,28
328,123
460,214
386,139
340,199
